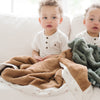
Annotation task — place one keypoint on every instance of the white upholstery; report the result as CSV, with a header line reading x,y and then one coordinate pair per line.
x,y
16,34
77,26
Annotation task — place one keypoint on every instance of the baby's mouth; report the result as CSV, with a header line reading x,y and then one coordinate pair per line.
x,y
49,25
95,27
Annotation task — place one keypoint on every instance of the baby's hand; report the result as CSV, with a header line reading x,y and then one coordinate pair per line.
x,y
49,56
38,58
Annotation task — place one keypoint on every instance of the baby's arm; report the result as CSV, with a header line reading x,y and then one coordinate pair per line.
x,y
36,56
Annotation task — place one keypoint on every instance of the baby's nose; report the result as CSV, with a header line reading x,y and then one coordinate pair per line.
x,y
49,20
96,22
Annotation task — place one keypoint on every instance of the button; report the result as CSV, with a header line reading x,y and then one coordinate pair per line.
x,y
94,38
54,44
46,37
46,47
46,42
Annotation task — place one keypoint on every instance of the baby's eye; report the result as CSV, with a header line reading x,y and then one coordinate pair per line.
x,y
44,17
53,17
91,19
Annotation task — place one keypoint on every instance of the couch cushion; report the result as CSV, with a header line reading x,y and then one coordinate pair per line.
x,y
77,26
16,34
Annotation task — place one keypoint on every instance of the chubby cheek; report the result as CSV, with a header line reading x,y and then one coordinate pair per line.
x,y
43,24
55,24
88,25
99,28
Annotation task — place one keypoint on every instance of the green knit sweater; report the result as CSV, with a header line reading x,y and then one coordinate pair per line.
x,y
88,55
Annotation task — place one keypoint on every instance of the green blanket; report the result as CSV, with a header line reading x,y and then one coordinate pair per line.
x,y
88,55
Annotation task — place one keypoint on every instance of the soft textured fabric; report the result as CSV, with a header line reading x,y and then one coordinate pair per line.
x,y
53,44
66,54
43,74
88,55
79,73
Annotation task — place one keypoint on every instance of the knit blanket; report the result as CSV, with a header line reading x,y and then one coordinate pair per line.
x,y
44,74
88,55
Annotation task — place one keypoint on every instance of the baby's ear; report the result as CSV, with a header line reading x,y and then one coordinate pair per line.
x,y
84,21
40,20
61,19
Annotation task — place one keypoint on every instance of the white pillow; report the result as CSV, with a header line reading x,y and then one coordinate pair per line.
x,y
77,26
65,26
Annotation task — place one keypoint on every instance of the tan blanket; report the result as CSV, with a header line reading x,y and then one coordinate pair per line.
x,y
45,74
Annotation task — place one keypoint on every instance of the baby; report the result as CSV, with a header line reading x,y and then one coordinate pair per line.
x,y
51,41
92,23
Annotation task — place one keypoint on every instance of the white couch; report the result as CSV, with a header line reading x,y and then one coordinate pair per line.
x,y
16,35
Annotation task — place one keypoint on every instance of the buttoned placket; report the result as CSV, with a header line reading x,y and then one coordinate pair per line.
x,y
46,42
95,41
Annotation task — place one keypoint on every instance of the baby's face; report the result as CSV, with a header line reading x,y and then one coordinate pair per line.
x,y
50,18
92,21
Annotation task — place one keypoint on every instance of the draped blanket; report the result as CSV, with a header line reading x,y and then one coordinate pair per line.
x,y
88,55
45,74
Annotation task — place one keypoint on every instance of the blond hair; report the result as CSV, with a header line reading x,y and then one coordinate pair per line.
x,y
92,6
55,3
